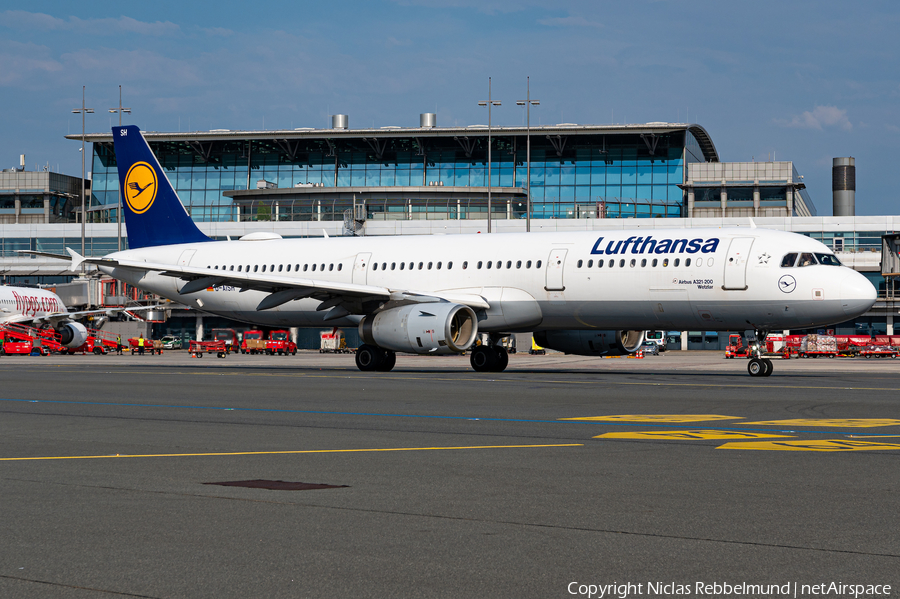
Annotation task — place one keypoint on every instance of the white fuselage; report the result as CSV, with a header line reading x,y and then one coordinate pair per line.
x,y
681,279
27,303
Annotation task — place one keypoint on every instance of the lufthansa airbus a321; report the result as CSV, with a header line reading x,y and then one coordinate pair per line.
x,y
585,293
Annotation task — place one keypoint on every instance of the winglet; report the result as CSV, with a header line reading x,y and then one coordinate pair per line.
x,y
752,224
77,259
325,233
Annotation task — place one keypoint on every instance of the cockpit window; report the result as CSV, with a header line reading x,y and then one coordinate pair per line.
x,y
828,259
807,259
788,260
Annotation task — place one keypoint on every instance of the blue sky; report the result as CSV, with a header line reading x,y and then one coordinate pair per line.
x,y
800,81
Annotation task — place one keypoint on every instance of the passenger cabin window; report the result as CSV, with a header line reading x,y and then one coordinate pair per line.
x,y
643,263
528,264
677,260
665,261
687,262
538,265
806,259
580,263
654,263
788,260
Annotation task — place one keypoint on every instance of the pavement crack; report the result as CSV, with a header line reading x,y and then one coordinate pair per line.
x,y
75,586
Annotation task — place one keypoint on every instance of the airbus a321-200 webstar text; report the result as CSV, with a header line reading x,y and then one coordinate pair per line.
x,y
585,293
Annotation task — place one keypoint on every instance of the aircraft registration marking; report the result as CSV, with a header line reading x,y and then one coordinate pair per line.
x,y
848,422
688,435
819,445
677,418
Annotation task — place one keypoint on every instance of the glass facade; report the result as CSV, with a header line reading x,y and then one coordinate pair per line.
x,y
574,176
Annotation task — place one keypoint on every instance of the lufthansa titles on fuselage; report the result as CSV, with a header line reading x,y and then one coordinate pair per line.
x,y
649,245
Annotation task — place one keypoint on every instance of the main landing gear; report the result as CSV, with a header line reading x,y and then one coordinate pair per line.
x,y
489,358
371,358
757,366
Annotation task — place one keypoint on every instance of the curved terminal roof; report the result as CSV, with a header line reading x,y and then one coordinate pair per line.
x,y
699,133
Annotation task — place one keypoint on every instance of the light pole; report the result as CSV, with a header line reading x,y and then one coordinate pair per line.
x,y
490,103
528,103
83,111
120,110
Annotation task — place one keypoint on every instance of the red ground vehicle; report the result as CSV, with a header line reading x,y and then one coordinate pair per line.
x,y
253,342
229,337
877,351
736,347
279,342
198,348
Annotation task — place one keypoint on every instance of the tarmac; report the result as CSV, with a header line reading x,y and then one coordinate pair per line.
x,y
300,476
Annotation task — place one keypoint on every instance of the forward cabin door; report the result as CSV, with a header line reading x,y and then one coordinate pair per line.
x,y
736,263
361,267
555,266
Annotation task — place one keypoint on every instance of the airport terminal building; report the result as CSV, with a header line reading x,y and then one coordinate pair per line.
x,y
438,180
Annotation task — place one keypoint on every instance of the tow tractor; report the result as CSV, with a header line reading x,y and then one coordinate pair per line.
x,y
736,348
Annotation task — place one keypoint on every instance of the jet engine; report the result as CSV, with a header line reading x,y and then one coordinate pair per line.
x,y
72,334
429,328
591,343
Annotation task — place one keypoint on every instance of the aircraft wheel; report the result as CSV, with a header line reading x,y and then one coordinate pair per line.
x,y
502,359
483,359
769,366
756,367
388,362
369,357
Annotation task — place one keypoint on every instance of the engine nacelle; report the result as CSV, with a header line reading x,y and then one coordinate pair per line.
x,y
591,343
72,334
431,328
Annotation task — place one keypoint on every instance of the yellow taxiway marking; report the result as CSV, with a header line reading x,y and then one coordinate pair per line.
x,y
688,435
822,445
847,422
236,453
656,418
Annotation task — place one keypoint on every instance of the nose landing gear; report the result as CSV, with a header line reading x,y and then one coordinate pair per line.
x,y
757,366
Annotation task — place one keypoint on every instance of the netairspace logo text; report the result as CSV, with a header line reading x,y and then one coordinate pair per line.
x,y
725,589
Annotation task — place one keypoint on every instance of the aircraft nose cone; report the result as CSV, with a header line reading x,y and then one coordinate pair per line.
x,y
857,294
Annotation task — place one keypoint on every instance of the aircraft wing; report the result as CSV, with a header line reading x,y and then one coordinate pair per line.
x,y
342,298
57,317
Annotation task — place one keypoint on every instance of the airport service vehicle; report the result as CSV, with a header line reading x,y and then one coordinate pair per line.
x,y
656,337
333,342
877,351
816,346
253,342
280,343
736,347
588,293
198,348
227,336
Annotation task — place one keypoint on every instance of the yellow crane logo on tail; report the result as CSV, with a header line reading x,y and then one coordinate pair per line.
x,y
140,187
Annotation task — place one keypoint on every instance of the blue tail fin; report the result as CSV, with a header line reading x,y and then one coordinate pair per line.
x,y
153,213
